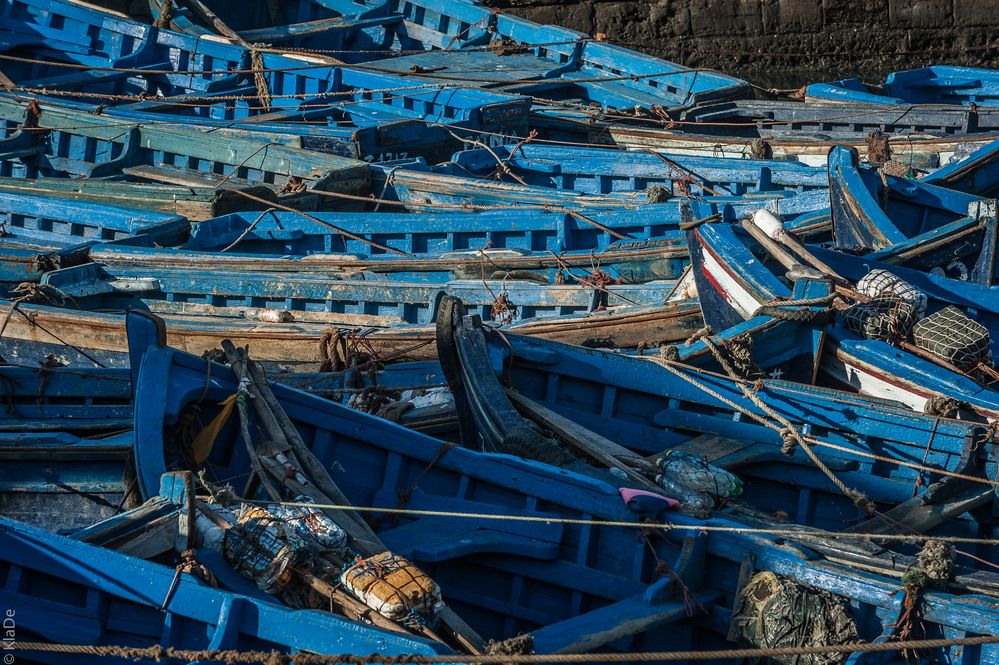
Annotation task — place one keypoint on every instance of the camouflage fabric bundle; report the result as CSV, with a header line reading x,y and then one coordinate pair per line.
x,y
774,612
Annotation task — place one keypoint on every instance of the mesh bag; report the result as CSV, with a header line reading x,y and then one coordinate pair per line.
x,y
392,586
699,475
884,318
264,549
951,335
882,284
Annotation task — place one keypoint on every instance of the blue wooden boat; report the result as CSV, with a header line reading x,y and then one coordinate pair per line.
x,y
78,144
76,593
648,408
910,223
419,188
977,173
505,580
922,137
77,314
45,222
316,298
195,202
937,84
601,171
39,234
735,277
100,58
466,42
539,245
62,482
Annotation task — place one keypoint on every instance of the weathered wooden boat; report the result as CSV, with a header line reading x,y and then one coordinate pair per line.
x,y
736,277
877,449
910,223
43,141
544,246
601,171
505,580
420,188
977,173
469,43
77,51
77,313
937,84
195,202
62,482
75,593
39,234
318,298
921,137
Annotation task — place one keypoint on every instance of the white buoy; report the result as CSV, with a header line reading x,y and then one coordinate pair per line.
x,y
774,228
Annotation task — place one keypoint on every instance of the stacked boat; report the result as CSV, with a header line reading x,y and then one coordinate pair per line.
x,y
417,329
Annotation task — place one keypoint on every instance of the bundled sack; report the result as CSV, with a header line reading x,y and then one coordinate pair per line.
x,y
774,612
265,549
392,586
949,334
884,318
883,284
313,525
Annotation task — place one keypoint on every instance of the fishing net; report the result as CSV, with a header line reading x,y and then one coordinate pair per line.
x,y
312,524
392,586
774,613
883,284
951,335
884,318
693,481
265,549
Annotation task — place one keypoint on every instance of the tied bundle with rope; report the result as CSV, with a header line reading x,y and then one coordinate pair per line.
x,y
264,549
951,335
312,525
395,588
885,318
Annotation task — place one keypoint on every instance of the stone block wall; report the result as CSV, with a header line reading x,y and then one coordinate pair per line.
x,y
786,42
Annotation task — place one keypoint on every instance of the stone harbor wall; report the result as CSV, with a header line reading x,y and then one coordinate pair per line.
x,y
784,42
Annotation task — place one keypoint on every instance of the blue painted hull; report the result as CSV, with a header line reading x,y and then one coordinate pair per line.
x,y
922,226
75,593
938,84
568,584
481,47
601,171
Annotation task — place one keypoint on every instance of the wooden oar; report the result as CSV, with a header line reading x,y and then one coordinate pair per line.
x,y
774,228
280,429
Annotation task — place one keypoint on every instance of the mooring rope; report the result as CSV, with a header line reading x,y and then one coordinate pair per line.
x,y
232,656
804,532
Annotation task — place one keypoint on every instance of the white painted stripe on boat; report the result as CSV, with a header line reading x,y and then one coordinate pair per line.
x,y
734,293
868,383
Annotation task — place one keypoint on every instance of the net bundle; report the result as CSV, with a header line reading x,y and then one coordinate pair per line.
x,y
951,335
883,284
886,318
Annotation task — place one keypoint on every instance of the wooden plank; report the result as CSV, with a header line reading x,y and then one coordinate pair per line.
x,y
602,449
